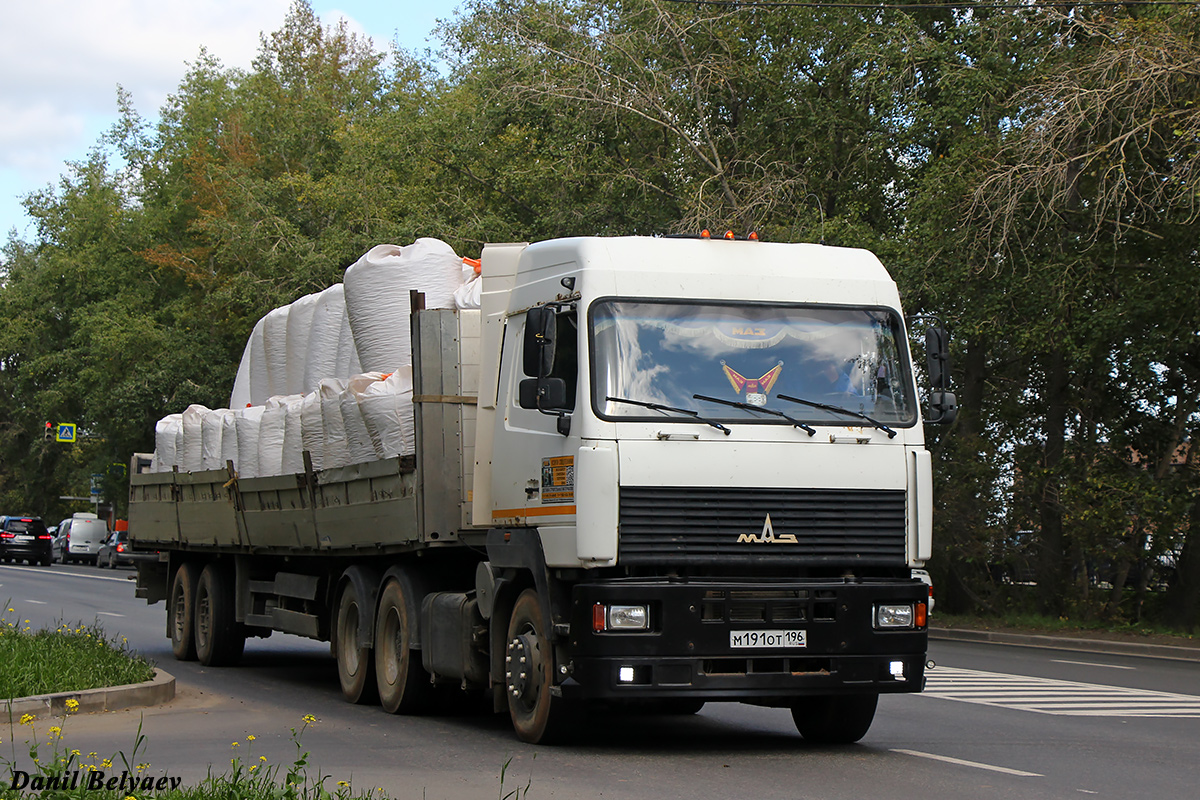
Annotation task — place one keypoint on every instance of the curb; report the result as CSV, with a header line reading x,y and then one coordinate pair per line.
x,y
156,691
1172,652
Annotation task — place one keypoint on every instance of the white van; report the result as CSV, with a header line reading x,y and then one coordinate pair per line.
x,y
84,535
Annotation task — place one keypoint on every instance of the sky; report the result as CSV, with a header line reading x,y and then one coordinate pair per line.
x,y
62,60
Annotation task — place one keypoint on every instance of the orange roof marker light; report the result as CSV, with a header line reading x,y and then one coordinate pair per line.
x,y
753,236
704,234
729,235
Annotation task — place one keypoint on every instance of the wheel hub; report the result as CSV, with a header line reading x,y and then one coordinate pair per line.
x,y
522,668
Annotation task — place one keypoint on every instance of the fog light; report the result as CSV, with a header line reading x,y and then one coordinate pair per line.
x,y
628,618
897,670
894,616
625,674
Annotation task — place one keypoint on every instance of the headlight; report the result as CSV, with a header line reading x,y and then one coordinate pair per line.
x,y
620,618
894,615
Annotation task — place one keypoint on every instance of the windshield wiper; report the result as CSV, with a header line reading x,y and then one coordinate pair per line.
x,y
657,407
839,410
738,404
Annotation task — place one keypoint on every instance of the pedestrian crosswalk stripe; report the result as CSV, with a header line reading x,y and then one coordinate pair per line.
x,y
1047,696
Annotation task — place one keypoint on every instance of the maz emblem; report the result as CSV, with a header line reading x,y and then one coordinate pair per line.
x,y
767,536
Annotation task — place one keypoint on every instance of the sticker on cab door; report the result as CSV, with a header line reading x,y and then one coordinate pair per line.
x,y
558,480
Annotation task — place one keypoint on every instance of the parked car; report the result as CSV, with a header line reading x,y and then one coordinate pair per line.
x,y
25,537
81,535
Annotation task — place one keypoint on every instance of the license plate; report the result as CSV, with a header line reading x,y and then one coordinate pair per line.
x,y
740,640
22,539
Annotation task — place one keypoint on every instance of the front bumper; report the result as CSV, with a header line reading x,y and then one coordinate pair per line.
x,y
689,649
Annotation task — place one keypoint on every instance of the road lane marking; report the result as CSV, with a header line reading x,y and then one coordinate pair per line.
x,y
1090,664
35,602
108,614
42,570
1020,773
1060,698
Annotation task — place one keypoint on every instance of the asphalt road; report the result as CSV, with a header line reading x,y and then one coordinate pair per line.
x,y
995,722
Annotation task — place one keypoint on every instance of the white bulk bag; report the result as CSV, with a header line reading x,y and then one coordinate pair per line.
x,y
335,451
247,422
328,319
251,386
271,431
377,297
192,457
275,348
387,411
166,434
349,363
358,439
312,435
299,331
292,460
211,431
229,442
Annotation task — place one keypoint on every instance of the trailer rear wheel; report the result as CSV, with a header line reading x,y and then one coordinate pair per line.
x,y
354,663
404,686
182,613
220,640
834,719
537,715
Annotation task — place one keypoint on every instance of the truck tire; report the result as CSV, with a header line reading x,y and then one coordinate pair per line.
x,y
404,685
181,612
355,664
538,716
220,640
834,719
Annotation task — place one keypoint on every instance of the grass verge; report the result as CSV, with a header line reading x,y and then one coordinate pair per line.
x,y
67,659
45,767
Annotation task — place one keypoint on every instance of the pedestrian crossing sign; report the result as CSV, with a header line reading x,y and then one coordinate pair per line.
x,y
66,432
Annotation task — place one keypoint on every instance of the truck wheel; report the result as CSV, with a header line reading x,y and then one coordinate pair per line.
x,y
537,715
404,686
354,663
219,639
834,719
182,613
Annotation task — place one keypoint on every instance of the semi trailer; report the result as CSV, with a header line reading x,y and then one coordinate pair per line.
x,y
648,472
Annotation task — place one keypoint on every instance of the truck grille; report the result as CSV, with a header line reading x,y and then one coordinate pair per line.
x,y
712,526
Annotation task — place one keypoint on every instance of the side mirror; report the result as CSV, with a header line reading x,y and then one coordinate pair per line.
x,y
538,352
545,394
943,408
937,355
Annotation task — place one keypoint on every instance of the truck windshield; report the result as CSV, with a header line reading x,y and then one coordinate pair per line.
x,y
665,353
